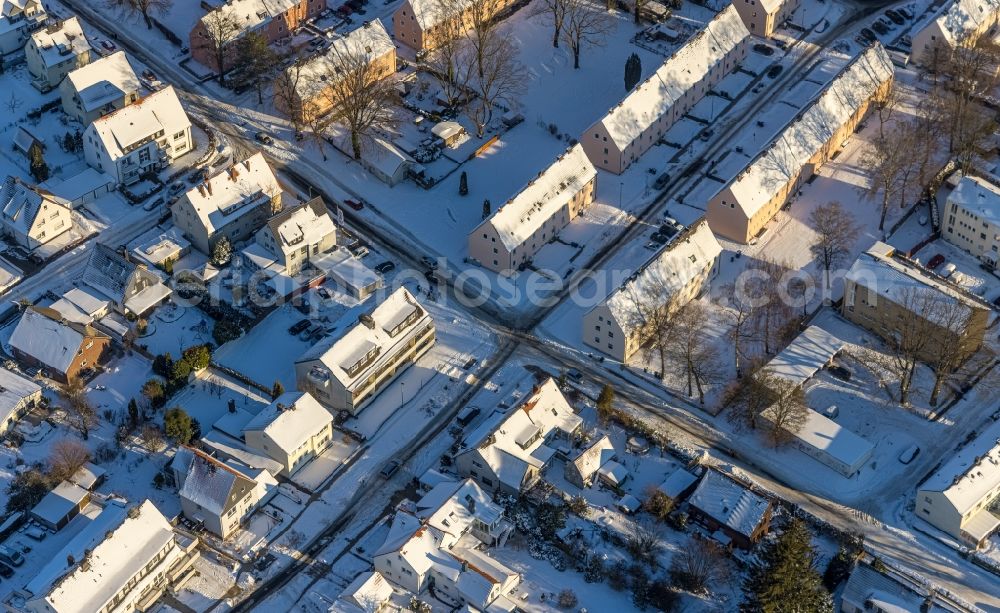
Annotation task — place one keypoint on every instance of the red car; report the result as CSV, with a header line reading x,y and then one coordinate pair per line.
x,y
935,261
354,204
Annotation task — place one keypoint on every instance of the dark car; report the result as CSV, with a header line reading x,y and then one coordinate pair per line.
x,y
354,204
6,571
775,70
879,27
431,277
385,267
661,181
868,35
299,326
935,261
840,372
389,469
895,17
763,49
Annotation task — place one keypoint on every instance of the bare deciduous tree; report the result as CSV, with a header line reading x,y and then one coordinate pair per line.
x,y
444,63
888,161
81,412
143,8
360,94
66,457
835,235
643,540
788,413
740,312
501,77
754,394
554,14
221,28
585,25
651,315
698,563
287,85
692,354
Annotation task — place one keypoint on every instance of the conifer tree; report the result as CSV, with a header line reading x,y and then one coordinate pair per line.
x,y
784,577
39,169
605,401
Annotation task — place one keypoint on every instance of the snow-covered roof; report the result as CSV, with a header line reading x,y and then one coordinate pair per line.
x,y
377,154
676,483
453,506
672,268
807,353
104,80
57,41
810,130
830,438
60,502
687,67
978,196
347,270
594,456
961,18
249,14
21,203
518,219
729,503
88,475
228,447
512,442
235,191
970,473
368,590
12,8
613,472
87,300
43,334
370,41
158,113
210,483
365,338
446,129
123,552
291,420
303,224
866,587
14,391
110,272
429,13
903,282
158,248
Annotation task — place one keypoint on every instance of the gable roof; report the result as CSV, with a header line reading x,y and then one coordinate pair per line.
x,y
158,112
249,14
368,590
593,457
675,265
979,196
21,203
960,19
57,41
970,473
370,40
109,271
14,390
810,130
210,483
302,224
104,80
649,101
517,220
429,13
453,506
729,503
43,334
291,420
235,191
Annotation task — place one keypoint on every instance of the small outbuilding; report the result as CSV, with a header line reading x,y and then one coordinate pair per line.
x,y
60,505
449,132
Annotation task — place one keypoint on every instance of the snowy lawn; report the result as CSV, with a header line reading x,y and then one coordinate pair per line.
x,y
207,398
173,328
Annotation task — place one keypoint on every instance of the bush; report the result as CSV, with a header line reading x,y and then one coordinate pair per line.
x,y
198,356
178,426
578,506
163,364
567,599
27,489
154,393
226,330
661,597
658,504
618,576
594,571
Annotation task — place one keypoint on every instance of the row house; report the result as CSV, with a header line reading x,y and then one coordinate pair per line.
x,y
422,25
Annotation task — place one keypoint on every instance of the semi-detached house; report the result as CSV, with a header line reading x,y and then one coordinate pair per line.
x,y
653,107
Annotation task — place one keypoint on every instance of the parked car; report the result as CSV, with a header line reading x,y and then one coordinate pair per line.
x,y
11,556
429,262
298,326
879,27
831,412
325,293
263,137
177,187
908,454
868,35
36,533
763,49
155,203
108,45
661,181
6,571
389,469
775,70
431,277
574,374
360,251
935,261
949,269
354,204
895,17
385,267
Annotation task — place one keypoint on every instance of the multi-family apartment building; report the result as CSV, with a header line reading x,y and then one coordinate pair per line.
x,y
675,275
288,240
423,24
31,216
140,138
273,19
884,291
311,89
99,88
740,209
368,348
954,24
636,123
18,19
121,561
510,451
961,497
971,218
234,203
762,17
291,430
55,51
513,234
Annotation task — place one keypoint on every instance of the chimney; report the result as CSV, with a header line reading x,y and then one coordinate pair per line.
x,y
472,505
233,174
367,320
208,187
201,189
465,566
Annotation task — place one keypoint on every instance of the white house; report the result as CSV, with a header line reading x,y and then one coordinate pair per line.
x,y
31,216
54,51
17,396
140,138
439,542
18,19
971,218
368,593
513,234
99,88
629,129
956,23
868,590
219,495
671,278
129,284
292,430
292,238
368,348
135,553
960,498
234,203
581,470
510,451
